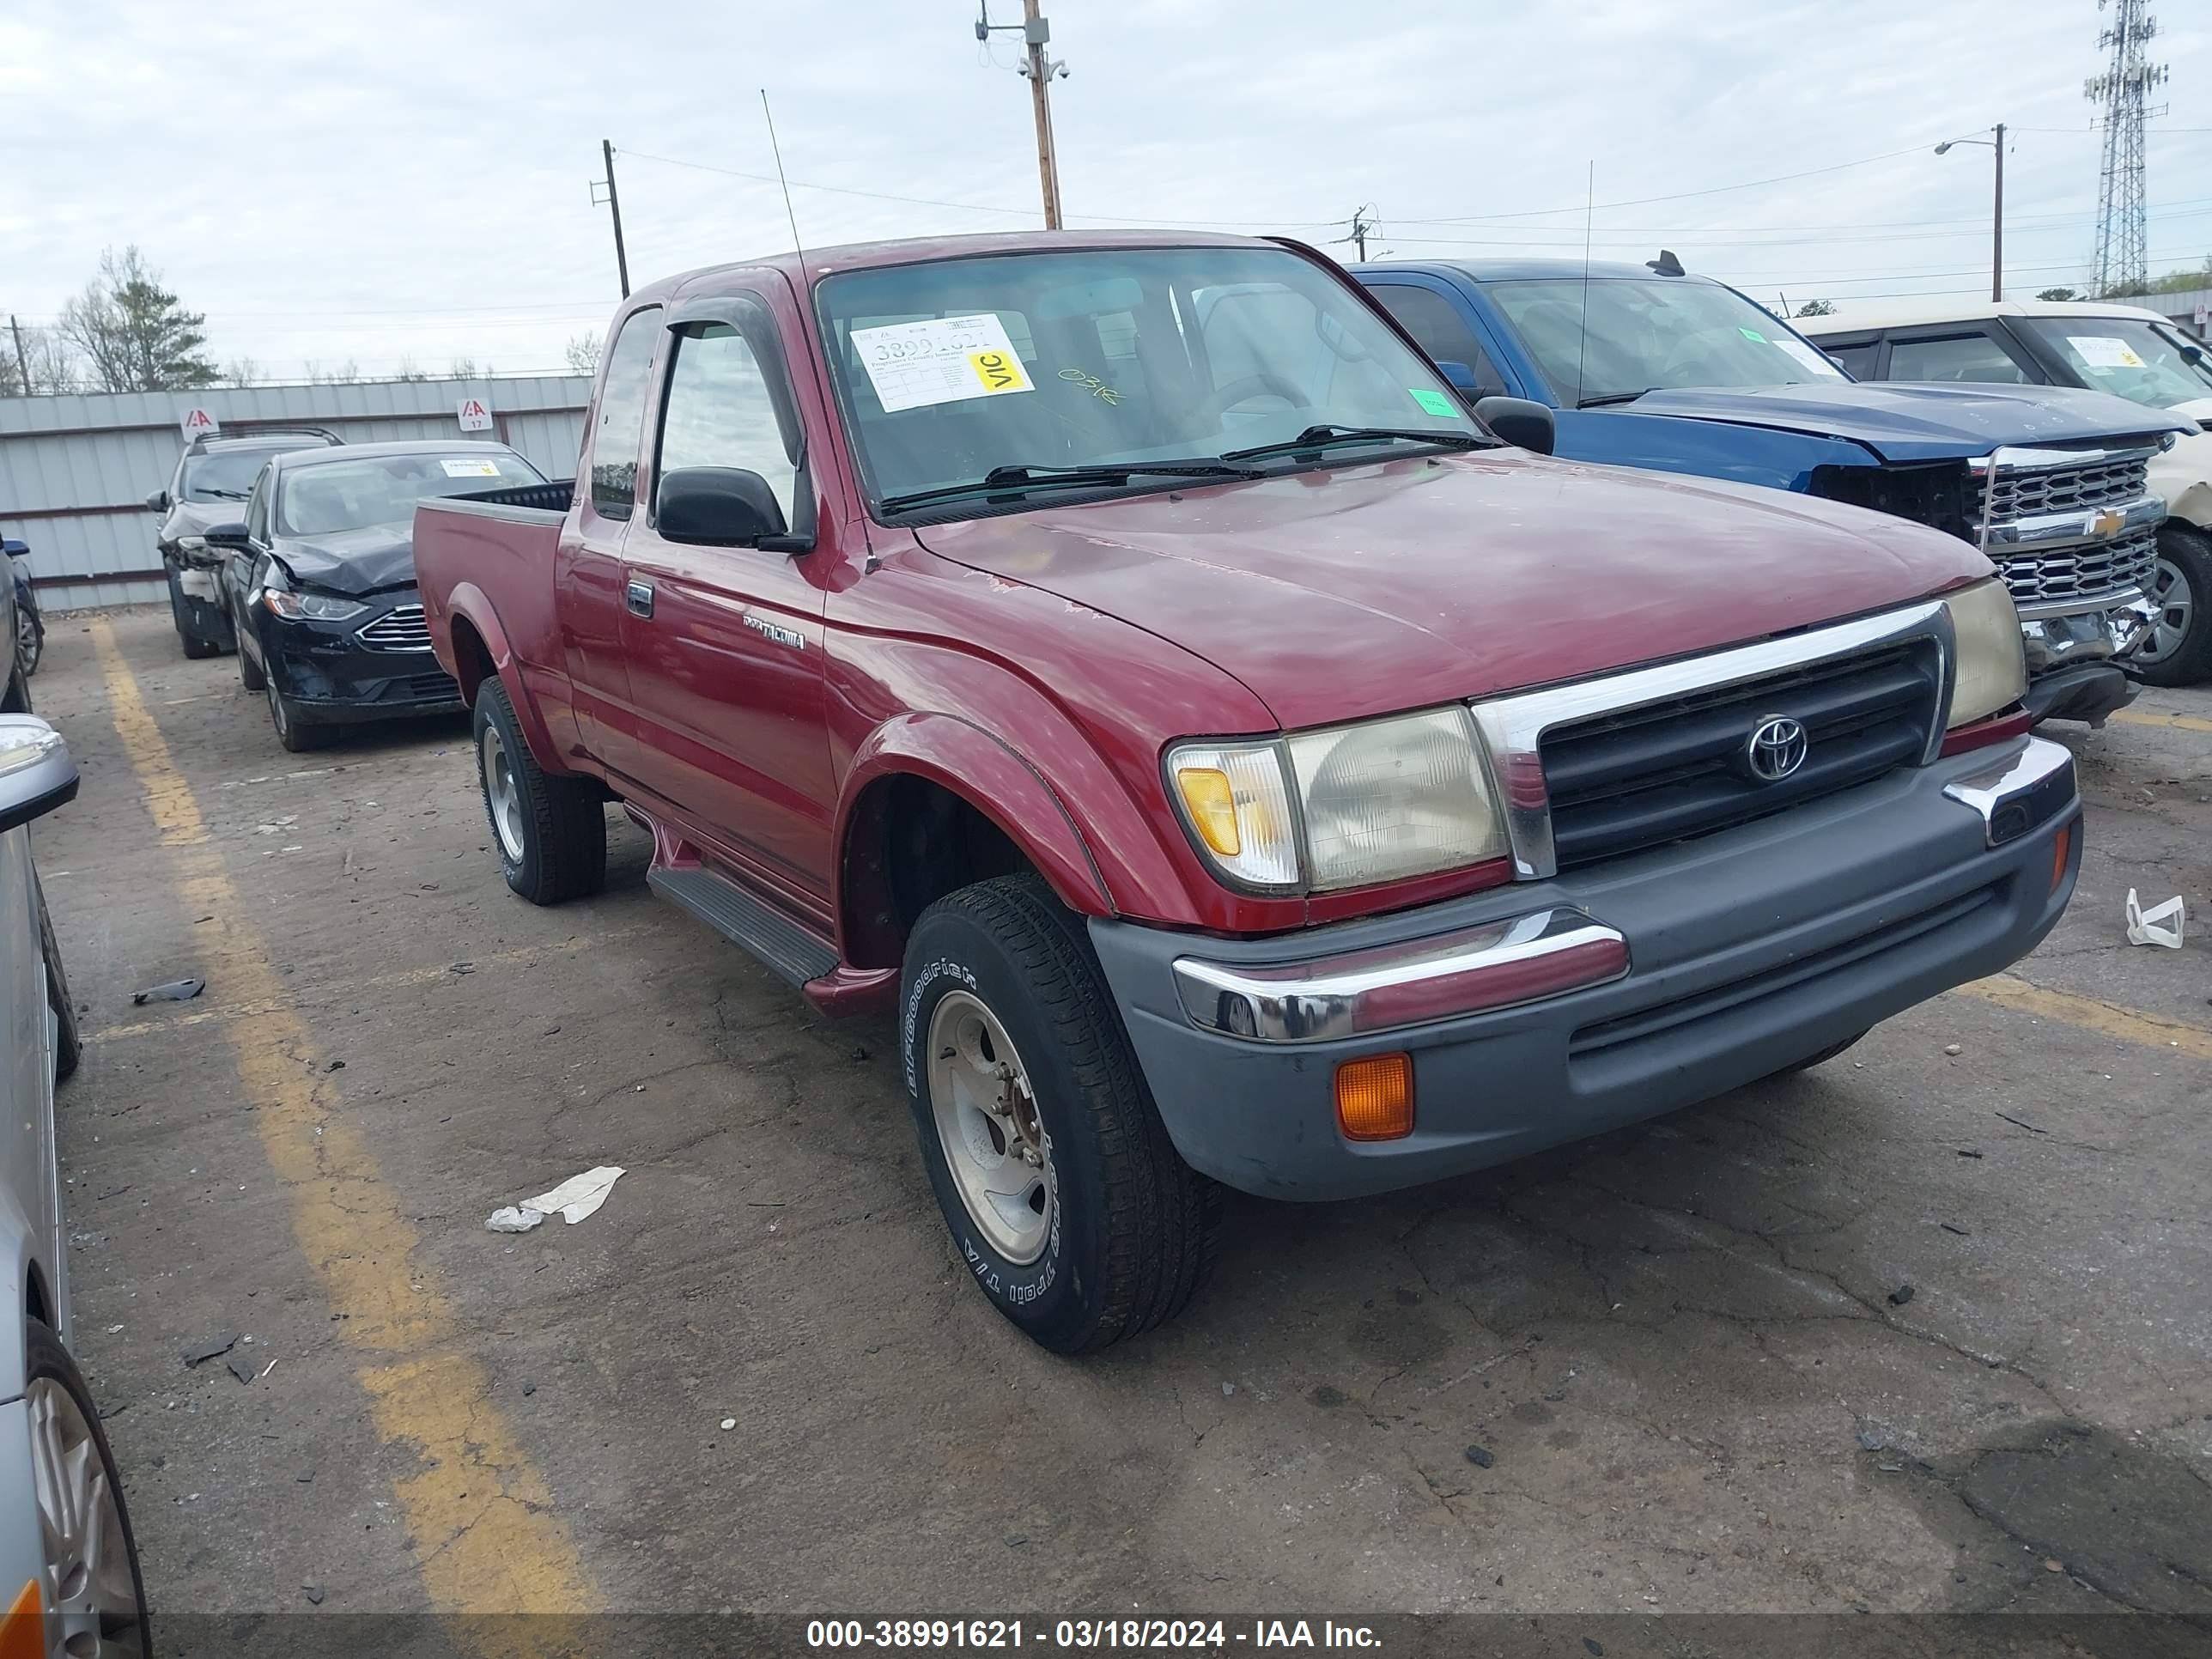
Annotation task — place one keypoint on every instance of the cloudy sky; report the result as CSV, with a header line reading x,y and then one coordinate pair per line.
x,y
389,179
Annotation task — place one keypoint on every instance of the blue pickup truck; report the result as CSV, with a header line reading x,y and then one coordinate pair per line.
x,y
1649,365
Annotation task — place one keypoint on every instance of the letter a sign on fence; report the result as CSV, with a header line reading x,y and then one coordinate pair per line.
x,y
198,424
476,415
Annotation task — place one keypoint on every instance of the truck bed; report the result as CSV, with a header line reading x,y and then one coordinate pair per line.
x,y
501,542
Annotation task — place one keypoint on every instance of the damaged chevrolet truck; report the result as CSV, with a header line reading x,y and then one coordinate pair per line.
x,y
1123,660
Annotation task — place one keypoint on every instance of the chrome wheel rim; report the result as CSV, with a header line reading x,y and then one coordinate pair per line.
x,y
27,638
276,710
90,1592
2177,608
502,792
988,1124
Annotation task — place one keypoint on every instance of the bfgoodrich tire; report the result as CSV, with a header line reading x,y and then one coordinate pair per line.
x,y
2179,649
1065,1199
552,832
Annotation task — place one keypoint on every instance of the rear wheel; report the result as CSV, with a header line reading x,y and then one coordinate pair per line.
x,y
551,831
1065,1199
2179,649
30,639
94,1596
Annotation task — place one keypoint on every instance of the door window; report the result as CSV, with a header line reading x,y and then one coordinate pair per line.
x,y
1858,358
1954,357
1438,330
621,415
720,412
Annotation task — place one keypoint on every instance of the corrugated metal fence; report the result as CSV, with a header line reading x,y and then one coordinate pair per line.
x,y
74,471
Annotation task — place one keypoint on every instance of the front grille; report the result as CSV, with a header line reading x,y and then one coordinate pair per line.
x,y
2091,570
403,627
1646,776
2024,494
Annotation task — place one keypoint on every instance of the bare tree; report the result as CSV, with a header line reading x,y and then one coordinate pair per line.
x,y
345,374
53,364
582,352
464,368
242,370
408,370
133,333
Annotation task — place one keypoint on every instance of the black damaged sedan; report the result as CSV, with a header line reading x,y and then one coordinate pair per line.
x,y
320,581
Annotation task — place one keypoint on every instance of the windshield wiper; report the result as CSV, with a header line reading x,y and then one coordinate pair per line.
x,y
225,494
1010,480
1603,398
1325,435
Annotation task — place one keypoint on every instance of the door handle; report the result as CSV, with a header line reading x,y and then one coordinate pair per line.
x,y
638,596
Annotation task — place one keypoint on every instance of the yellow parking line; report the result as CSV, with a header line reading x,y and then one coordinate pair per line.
x,y
2153,717
479,1513
2129,1025
521,956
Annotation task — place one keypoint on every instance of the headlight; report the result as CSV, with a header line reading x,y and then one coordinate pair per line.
x,y
315,607
1376,802
1992,662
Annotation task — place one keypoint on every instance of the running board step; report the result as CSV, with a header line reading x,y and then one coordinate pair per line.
x,y
783,944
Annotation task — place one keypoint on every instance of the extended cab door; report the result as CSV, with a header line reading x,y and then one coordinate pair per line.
x,y
588,572
725,643
1441,324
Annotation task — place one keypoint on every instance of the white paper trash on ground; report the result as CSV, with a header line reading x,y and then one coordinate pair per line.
x,y
2159,925
572,1200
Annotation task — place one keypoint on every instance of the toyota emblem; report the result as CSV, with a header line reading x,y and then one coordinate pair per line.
x,y
1775,749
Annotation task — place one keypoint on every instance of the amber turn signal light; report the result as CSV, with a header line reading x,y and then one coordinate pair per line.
x,y
23,1626
2061,845
1375,1097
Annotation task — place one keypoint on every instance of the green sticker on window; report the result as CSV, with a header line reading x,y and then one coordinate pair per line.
x,y
1752,335
1435,401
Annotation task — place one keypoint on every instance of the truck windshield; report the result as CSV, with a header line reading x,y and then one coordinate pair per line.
x,y
2133,357
226,476
951,369
1651,336
318,501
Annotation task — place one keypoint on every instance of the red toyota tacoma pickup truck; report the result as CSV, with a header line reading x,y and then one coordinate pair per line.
x,y
1124,658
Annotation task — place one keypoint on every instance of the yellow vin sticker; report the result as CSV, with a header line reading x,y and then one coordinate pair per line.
x,y
999,371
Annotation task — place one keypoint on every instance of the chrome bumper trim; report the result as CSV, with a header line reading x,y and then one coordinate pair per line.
x,y
2023,787
1497,964
2069,631
2048,531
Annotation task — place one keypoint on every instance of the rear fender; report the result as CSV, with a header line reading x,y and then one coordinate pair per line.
x,y
468,610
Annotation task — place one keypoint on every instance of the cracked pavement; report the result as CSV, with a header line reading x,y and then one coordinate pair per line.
x,y
1685,1351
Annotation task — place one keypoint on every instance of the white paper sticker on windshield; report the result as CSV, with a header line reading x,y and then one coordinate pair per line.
x,y
947,360
471,469
1810,357
2103,352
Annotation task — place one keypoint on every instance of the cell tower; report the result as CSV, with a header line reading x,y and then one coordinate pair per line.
x,y
2123,254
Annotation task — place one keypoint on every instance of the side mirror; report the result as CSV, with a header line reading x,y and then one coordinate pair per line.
x,y
158,502
36,772
1519,421
15,549
231,535
718,505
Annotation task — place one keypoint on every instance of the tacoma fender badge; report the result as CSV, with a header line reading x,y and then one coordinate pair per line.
x,y
776,631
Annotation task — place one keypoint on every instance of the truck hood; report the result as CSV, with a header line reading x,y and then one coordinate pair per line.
x,y
193,518
352,560
1337,594
1901,420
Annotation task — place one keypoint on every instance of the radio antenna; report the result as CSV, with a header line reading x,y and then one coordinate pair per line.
x,y
776,149
1582,345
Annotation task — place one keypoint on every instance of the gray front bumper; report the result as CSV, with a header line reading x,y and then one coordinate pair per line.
x,y
1749,950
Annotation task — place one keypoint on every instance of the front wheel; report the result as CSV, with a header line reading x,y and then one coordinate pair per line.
x,y
249,671
551,831
94,1595
1065,1199
30,639
298,736
2179,649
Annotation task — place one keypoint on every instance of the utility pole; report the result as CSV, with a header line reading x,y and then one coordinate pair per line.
x,y
614,204
1362,228
1040,71
22,361
1996,226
